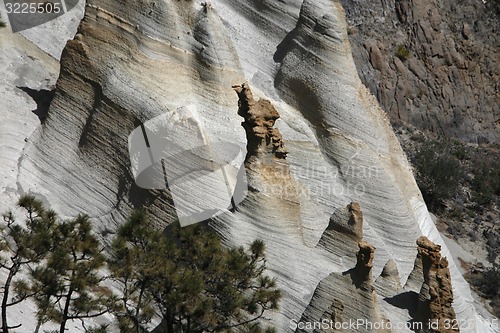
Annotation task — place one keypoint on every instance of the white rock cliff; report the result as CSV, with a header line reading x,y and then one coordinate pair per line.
x,y
134,60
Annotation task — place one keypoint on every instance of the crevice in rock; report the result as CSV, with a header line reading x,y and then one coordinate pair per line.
x,y
98,96
42,98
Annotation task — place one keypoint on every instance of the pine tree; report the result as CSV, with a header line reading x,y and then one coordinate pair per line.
x,y
67,285
195,283
135,262
24,245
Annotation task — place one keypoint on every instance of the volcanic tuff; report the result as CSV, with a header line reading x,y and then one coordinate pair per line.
x,y
134,60
338,298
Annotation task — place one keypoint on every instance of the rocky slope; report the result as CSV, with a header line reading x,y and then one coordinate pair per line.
x,y
431,64
132,61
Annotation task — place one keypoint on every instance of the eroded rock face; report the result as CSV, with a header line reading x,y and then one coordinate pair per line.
x,y
430,63
344,237
344,232
328,304
132,61
260,116
416,277
265,162
364,265
436,295
388,284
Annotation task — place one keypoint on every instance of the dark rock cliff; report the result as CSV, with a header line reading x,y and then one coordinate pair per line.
x,y
432,64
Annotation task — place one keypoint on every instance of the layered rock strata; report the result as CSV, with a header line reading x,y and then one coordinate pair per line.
x,y
346,225
436,295
388,284
330,312
133,61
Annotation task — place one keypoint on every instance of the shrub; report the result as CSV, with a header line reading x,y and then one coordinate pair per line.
x,y
402,52
494,6
459,150
486,182
455,213
489,282
196,283
2,23
438,173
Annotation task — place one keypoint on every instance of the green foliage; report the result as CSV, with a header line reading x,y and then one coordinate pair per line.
x,y
187,277
402,52
438,173
23,246
489,282
193,281
136,260
66,284
486,183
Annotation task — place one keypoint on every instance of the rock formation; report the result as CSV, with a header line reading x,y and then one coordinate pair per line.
x,y
431,64
388,284
436,295
260,117
344,232
329,308
364,264
265,161
416,277
135,60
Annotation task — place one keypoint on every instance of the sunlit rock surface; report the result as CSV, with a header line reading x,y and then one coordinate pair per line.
x,y
431,64
132,61
436,295
341,297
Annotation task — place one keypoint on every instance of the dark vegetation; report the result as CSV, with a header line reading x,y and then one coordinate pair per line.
x,y
402,53
461,185
487,283
438,172
457,181
190,279
183,277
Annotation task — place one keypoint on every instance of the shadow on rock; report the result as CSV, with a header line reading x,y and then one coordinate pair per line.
x,y
42,98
